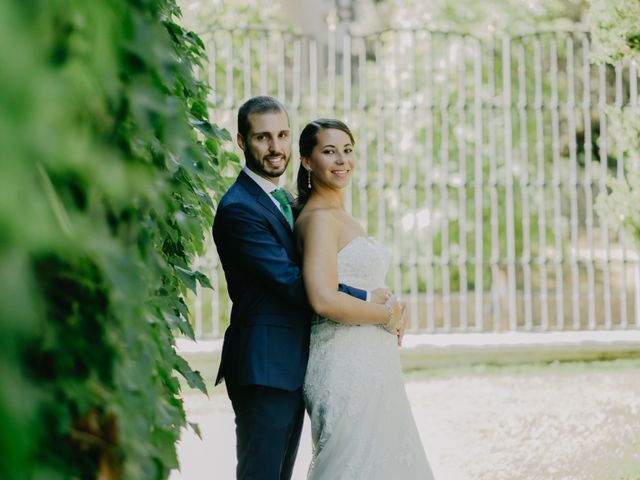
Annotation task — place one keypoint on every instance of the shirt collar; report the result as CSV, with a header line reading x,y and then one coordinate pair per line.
x,y
263,183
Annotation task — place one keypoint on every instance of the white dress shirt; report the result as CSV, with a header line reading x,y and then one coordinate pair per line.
x,y
265,185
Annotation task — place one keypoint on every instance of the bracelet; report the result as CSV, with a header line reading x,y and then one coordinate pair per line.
x,y
389,326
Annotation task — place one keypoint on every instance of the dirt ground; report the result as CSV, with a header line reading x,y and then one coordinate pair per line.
x,y
559,422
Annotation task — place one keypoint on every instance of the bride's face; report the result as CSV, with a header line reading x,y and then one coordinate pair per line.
x,y
332,159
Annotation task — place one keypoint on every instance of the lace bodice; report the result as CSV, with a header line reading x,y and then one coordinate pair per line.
x,y
363,263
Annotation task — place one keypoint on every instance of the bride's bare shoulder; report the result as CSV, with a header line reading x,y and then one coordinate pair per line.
x,y
315,217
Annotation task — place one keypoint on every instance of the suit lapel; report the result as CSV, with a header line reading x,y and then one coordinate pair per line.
x,y
263,199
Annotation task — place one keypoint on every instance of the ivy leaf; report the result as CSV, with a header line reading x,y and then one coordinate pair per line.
x,y
209,130
199,109
196,428
181,324
203,279
193,377
187,276
181,307
195,39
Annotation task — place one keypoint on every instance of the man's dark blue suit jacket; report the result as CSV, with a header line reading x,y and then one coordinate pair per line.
x,y
267,342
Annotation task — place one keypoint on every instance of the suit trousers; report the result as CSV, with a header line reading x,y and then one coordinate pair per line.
x,y
268,426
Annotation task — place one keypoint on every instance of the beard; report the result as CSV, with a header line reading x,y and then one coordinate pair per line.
x,y
264,167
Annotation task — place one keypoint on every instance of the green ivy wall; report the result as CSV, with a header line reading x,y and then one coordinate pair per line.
x,y
109,173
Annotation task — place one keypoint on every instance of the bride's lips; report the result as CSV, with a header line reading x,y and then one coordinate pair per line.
x,y
341,173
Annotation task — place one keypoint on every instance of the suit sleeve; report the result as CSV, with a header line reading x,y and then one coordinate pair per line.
x,y
354,292
251,243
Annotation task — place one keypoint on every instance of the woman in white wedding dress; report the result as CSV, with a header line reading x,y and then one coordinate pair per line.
x,y
361,421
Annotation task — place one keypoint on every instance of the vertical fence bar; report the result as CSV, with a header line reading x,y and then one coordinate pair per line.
x,y
604,229
246,66
296,74
574,255
556,183
478,190
633,103
313,78
229,64
462,185
443,182
588,181
212,48
620,174
523,168
429,183
541,184
346,104
396,166
346,73
509,199
363,184
413,186
263,63
497,281
331,67
281,68
362,73
380,177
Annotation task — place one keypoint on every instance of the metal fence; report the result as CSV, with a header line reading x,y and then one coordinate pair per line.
x,y
479,162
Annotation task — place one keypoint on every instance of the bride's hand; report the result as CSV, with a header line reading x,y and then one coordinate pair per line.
x,y
395,310
380,295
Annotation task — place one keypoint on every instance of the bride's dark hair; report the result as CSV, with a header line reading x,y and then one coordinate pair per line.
x,y
308,140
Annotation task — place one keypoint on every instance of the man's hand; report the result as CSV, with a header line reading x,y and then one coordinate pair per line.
x,y
380,295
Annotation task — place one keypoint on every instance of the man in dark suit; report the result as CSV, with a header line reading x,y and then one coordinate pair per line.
x,y
266,346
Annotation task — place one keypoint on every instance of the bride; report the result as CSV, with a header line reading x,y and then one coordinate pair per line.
x,y
361,421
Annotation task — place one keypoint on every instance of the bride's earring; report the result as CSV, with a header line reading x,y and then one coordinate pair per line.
x,y
309,179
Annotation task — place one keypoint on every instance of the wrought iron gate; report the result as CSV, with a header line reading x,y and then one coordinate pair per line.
x,y
480,160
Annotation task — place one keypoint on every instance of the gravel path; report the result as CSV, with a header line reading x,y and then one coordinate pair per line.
x,y
549,423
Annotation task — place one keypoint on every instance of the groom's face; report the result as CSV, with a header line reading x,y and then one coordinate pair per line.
x,y
267,145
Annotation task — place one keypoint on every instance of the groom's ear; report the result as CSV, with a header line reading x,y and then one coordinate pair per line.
x,y
240,140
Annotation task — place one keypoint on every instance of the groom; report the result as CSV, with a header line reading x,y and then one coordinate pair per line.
x,y
266,347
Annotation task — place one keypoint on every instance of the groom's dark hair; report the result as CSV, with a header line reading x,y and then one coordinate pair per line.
x,y
259,104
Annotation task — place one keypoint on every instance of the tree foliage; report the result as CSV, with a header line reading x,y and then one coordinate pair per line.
x,y
109,161
478,18
615,29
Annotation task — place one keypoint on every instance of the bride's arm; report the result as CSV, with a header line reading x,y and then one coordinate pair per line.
x,y
319,238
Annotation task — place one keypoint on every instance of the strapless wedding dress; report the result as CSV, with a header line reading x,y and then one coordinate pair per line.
x,y
361,421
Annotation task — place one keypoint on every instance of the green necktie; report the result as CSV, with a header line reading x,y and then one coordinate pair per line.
x,y
283,199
